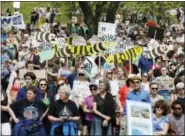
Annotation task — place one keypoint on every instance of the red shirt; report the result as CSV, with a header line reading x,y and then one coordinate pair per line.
x,y
123,91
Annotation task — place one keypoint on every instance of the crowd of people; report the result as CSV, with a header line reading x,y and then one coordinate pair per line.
x,y
73,101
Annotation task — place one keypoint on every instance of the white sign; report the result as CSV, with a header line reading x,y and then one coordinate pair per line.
x,y
114,85
16,4
139,118
106,29
16,21
80,89
165,83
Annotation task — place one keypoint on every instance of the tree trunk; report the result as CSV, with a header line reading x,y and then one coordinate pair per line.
x,y
112,11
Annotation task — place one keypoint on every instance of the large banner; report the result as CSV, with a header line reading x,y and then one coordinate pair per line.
x,y
107,31
139,118
16,21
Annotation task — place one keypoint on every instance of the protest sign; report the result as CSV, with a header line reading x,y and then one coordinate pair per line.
x,y
78,40
139,118
126,55
165,83
114,85
46,55
16,21
39,74
45,36
16,4
94,40
81,89
155,33
107,31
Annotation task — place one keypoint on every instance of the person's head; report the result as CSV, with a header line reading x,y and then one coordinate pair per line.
x,y
136,80
177,107
129,82
161,108
163,71
145,77
29,65
62,81
180,58
180,88
63,92
93,88
104,86
108,74
159,59
43,84
154,87
29,77
24,47
31,93
80,66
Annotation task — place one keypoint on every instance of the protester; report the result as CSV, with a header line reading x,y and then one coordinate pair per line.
x,y
176,119
145,81
29,113
154,96
160,121
88,106
63,113
103,111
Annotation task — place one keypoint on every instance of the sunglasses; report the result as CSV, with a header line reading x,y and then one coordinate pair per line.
x,y
135,82
181,89
93,89
145,76
81,75
154,88
159,107
43,84
177,108
109,73
81,67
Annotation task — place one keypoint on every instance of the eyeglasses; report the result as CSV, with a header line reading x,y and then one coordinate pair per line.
x,y
81,67
177,108
61,84
154,88
43,84
181,89
135,82
159,107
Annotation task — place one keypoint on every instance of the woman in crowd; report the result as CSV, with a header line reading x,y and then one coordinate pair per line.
x,y
103,110
156,68
160,121
63,113
121,76
88,106
154,97
47,99
28,114
179,96
145,81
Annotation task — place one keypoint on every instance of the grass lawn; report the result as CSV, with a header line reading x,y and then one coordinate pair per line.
x,y
26,8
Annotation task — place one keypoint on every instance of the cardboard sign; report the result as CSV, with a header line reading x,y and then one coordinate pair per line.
x,y
107,31
165,83
78,40
139,118
16,21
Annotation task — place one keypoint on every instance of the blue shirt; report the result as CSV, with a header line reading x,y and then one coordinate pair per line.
x,y
158,124
145,64
22,94
141,96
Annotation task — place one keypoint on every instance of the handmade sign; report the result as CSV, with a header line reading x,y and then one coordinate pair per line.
x,y
16,4
156,33
114,85
139,118
126,55
46,55
159,50
16,21
45,36
94,40
78,40
81,89
165,83
107,31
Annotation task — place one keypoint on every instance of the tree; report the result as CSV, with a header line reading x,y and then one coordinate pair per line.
x,y
92,12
